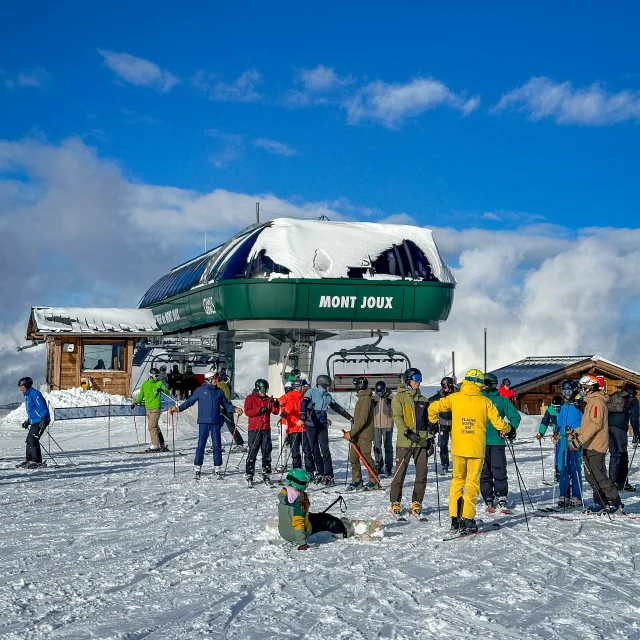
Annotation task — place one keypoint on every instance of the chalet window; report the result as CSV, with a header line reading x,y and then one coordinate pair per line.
x,y
103,356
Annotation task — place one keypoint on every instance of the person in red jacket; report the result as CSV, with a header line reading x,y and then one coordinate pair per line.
x,y
296,433
506,391
259,407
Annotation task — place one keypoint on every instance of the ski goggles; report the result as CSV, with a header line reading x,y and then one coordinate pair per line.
x,y
417,377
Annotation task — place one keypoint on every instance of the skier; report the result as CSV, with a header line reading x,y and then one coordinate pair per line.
x,y
593,437
361,436
238,440
383,429
151,395
506,391
494,481
622,409
471,413
163,374
550,418
259,407
295,523
38,419
189,382
634,409
211,401
409,416
283,435
447,386
313,415
295,431
174,381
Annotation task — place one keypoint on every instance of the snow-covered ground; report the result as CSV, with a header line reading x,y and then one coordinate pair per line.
x,y
113,545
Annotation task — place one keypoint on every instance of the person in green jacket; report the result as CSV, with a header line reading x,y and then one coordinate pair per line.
x,y
361,436
151,395
409,409
493,481
295,523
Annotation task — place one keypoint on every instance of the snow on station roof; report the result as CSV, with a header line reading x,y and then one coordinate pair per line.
x,y
76,321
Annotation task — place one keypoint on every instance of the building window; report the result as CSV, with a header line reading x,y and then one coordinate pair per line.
x,y
262,266
108,357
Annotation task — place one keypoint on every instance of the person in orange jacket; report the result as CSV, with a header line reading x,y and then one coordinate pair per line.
x,y
296,434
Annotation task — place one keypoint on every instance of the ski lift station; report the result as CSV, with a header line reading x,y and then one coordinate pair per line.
x,y
292,283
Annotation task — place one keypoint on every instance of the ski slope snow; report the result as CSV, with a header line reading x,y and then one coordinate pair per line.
x,y
113,545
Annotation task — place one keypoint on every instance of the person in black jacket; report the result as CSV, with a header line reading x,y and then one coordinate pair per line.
x,y
447,387
623,408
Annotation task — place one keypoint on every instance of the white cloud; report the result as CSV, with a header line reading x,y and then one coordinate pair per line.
x,y
138,71
318,85
392,104
275,147
539,290
242,89
231,149
35,78
542,98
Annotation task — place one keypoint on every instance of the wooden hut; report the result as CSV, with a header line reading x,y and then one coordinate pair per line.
x,y
91,347
536,380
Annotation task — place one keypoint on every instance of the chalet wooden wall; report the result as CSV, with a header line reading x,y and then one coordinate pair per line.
x,y
64,369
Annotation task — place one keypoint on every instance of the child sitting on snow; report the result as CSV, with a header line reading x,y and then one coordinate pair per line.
x,y
295,523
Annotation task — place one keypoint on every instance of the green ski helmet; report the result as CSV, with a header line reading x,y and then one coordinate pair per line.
x,y
298,479
490,381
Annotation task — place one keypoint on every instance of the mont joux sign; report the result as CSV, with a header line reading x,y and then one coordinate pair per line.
x,y
358,302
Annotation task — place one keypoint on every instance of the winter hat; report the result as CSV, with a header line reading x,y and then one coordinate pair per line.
x,y
298,479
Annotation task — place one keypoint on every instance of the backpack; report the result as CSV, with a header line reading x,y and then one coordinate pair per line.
x,y
618,402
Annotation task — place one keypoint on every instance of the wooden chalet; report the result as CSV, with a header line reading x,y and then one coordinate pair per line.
x,y
90,347
536,380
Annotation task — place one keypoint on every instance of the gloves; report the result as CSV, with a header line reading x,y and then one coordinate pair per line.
x,y
347,435
26,424
174,409
283,415
509,435
574,441
539,436
303,418
433,428
430,447
263,411
238,411
412,435
275,402
303,547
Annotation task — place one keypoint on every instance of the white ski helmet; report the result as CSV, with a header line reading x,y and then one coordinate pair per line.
x,y
590,383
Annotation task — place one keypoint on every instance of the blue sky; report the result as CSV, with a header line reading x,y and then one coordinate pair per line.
x,y
130,130
435,165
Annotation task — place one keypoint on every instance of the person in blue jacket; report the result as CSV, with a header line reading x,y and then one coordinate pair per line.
x,y
210,401
569,462
313,415
550,418
37,422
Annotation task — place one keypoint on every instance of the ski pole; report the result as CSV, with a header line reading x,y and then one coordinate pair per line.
x,y
372,473
55,464
404,460
520,478
135,426
526,519
435,464
541,459
594,484
626,480
173,442
284,468
231,445
342,502
61,449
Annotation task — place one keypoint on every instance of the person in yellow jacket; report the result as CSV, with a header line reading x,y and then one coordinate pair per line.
x,y
471,411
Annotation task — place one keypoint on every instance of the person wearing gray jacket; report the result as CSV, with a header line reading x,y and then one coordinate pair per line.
x,y
383,429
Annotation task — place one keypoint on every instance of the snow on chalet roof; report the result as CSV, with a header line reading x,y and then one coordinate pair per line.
x,y
322,249
530,369
45,320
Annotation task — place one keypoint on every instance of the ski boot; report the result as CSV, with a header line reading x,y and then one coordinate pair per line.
x,y
249,479
319,480
574,502
198,470
563,503
22,465
329,481
239,448
35,465
152,449
444,469
217,471
371,486
490,506
468,525
594,509
312,477
416,509
502,504
354,486
455,523
615,510
164,448
396,508
627,487
266,478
